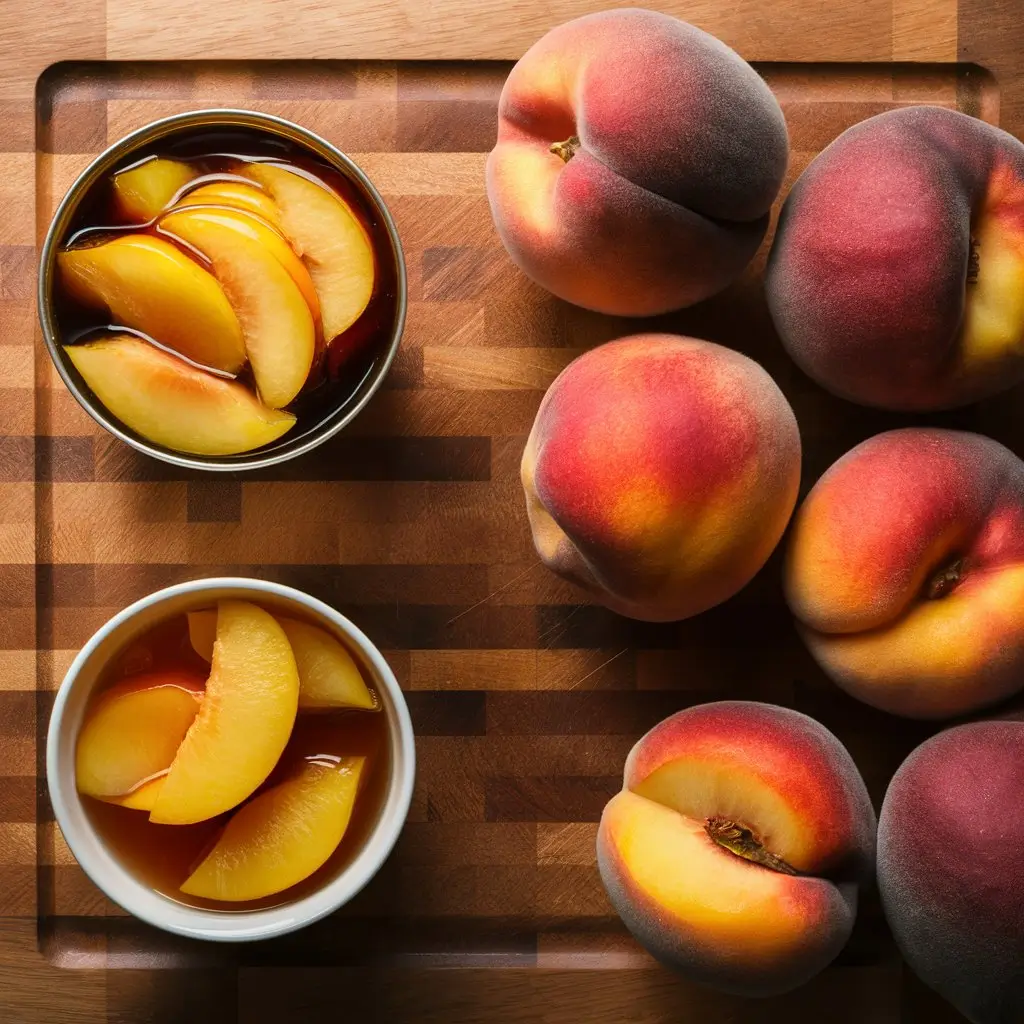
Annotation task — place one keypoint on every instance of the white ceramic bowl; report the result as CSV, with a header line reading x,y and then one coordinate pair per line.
x,y
92,853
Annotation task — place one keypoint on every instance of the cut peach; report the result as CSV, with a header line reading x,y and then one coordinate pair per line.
x,y
152,286
328,675
248,258
202,632
172,403
244,723
143,798
144,191
134,731
734,849
283,835
254,203
237,194
330,239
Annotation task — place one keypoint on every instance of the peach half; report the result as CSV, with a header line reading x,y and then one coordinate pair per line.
x,y
144,191
328,675
132,734
283,835
330,239
636,163
244,723
660,474
905,571
734,850
172,403
258,272
151,286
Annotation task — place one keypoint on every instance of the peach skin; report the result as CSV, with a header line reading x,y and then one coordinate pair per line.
x,y
636,162
660,474
896,278
906,572
734,850
949,867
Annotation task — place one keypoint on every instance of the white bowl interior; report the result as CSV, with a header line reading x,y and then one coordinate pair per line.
x,y
106,870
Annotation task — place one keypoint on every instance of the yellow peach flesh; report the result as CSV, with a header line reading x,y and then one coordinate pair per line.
x,y
710,891
328,675
142,192
202,632
238,194
699,790
268,230
134,733
174,404
244,723
150,285
282,836
247,256
993,326
143,798
330,239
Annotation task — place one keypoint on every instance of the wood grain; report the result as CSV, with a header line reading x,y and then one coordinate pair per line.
x,y
525,701
490,29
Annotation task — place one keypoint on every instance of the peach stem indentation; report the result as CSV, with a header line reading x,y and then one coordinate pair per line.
x,y
566,150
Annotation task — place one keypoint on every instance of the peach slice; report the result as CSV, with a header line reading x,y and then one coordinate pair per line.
x,y
243,726
152,286
142,192
330,239
283,835
248,258
134,732
141,799
172,403
255,203
328,675
202,632
237,194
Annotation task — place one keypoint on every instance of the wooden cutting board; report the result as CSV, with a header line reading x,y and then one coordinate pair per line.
x,y
525,700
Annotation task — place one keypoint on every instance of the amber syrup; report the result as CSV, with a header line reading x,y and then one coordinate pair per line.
x,y
163,856
343,363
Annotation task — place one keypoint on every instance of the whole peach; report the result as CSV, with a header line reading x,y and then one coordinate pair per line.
x,y
906,571
636,162
950,870
734,850
896,277
660,474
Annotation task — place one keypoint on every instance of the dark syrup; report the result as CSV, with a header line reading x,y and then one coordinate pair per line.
x,y
344,364
163,856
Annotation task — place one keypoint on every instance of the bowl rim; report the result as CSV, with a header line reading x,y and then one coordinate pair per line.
x,y
242,925
152,132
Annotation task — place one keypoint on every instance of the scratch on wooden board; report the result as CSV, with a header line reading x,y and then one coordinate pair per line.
x,y
604,664
490,597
